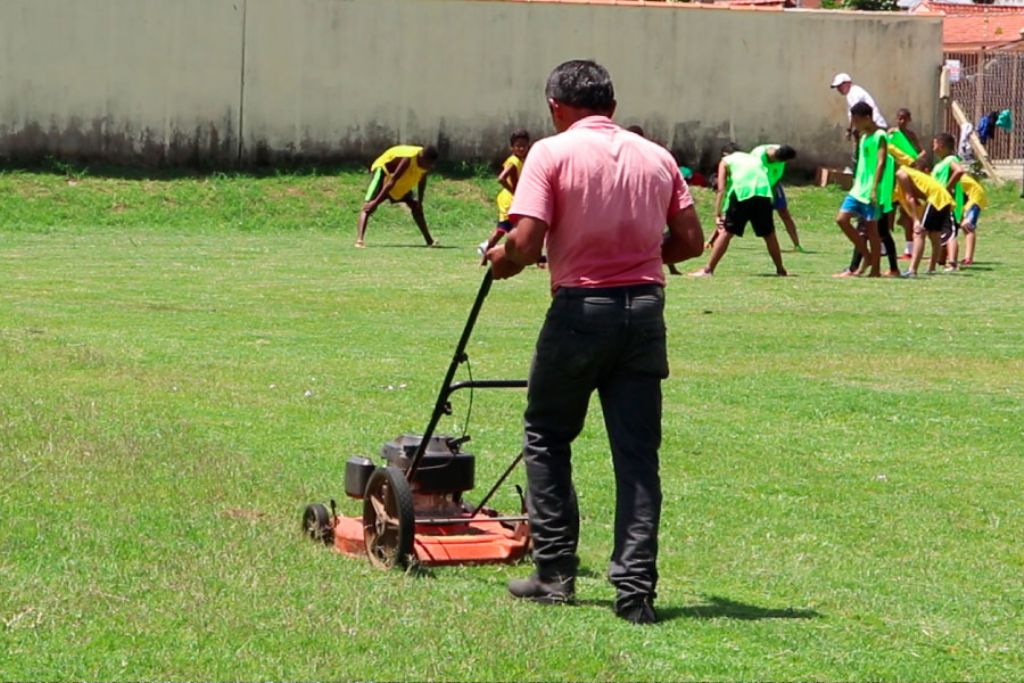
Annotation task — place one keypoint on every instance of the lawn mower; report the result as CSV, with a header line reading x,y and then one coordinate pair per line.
x,y
413,506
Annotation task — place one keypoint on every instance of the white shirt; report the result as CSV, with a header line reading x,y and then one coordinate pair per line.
x,y
858,94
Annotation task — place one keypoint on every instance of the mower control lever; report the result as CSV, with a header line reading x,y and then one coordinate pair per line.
x,y
456,444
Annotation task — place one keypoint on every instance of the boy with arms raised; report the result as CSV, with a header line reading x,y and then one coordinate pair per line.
x,y
872,180
396,173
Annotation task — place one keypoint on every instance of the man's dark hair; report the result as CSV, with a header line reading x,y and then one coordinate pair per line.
x,y
430,153
784,153
581,83
862,109
636,129
946,140
729,147
518,134
903,111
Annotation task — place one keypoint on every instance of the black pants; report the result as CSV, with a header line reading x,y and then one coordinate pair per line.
x,y
885,232
610,340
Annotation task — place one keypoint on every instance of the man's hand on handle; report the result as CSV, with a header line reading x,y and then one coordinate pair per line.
x,y
502,267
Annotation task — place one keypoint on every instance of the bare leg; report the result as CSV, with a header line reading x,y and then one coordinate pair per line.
x,y
875,242
787,220
918,252
908,228
364,218
717,252
421,221
772,242
843,220
936,239
969,241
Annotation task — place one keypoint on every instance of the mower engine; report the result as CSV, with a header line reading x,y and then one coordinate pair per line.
x,y
444,473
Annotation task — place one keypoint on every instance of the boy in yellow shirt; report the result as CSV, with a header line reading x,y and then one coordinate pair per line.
x,y
511,170
976,201
931,206
396,173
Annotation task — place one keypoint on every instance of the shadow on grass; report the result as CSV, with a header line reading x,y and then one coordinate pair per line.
x,y
409,245
717,607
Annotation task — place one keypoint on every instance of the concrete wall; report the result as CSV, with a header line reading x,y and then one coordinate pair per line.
x,y
259,81
129,80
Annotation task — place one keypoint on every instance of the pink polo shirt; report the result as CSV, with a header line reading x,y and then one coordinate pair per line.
x,y
606,195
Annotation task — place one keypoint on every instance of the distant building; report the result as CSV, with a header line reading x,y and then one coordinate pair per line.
x,y
967,26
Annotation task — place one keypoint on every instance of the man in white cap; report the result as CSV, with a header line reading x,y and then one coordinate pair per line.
x,y
844,85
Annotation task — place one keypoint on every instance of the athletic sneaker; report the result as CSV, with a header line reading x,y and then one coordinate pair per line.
x,y
949,269
703,272
482,248
908,274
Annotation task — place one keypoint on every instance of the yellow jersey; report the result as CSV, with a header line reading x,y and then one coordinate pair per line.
x,y
974,191
937,195
504,199
408,181
901,157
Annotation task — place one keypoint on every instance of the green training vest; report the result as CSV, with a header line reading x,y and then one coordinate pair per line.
x,y
747,177
941,172
864,178
775,168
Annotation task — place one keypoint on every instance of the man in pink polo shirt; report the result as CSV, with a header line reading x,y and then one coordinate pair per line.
x,y
601,197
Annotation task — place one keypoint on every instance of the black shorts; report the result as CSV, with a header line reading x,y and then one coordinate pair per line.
x,y
937,220
757,211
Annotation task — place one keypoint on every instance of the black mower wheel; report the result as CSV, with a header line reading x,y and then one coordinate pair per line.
x,y
388,519
316,523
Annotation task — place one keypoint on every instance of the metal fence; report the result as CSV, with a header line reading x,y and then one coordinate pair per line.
x,y
992,80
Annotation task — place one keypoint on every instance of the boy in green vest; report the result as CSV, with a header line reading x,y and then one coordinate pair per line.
x,y
774,158
905,146
948,171
744,196
395,174
872,181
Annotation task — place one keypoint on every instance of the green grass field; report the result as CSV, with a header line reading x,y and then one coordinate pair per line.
x,y
186,362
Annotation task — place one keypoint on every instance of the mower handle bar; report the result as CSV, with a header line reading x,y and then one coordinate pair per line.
x,y
447,387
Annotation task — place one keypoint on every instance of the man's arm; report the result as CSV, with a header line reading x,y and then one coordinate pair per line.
x,y
522,247
685,239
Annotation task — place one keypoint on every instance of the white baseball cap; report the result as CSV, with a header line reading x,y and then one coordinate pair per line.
x,y
840,79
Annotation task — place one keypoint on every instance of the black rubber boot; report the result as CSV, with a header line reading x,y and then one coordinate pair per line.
x,y
638,611
556,590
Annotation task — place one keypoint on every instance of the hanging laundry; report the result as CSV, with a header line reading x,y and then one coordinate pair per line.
x,y
1005,120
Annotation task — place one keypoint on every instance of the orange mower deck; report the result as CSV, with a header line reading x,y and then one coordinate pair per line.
x,y
480,541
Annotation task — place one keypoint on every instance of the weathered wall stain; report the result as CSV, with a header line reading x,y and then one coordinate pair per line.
x,y
155,83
